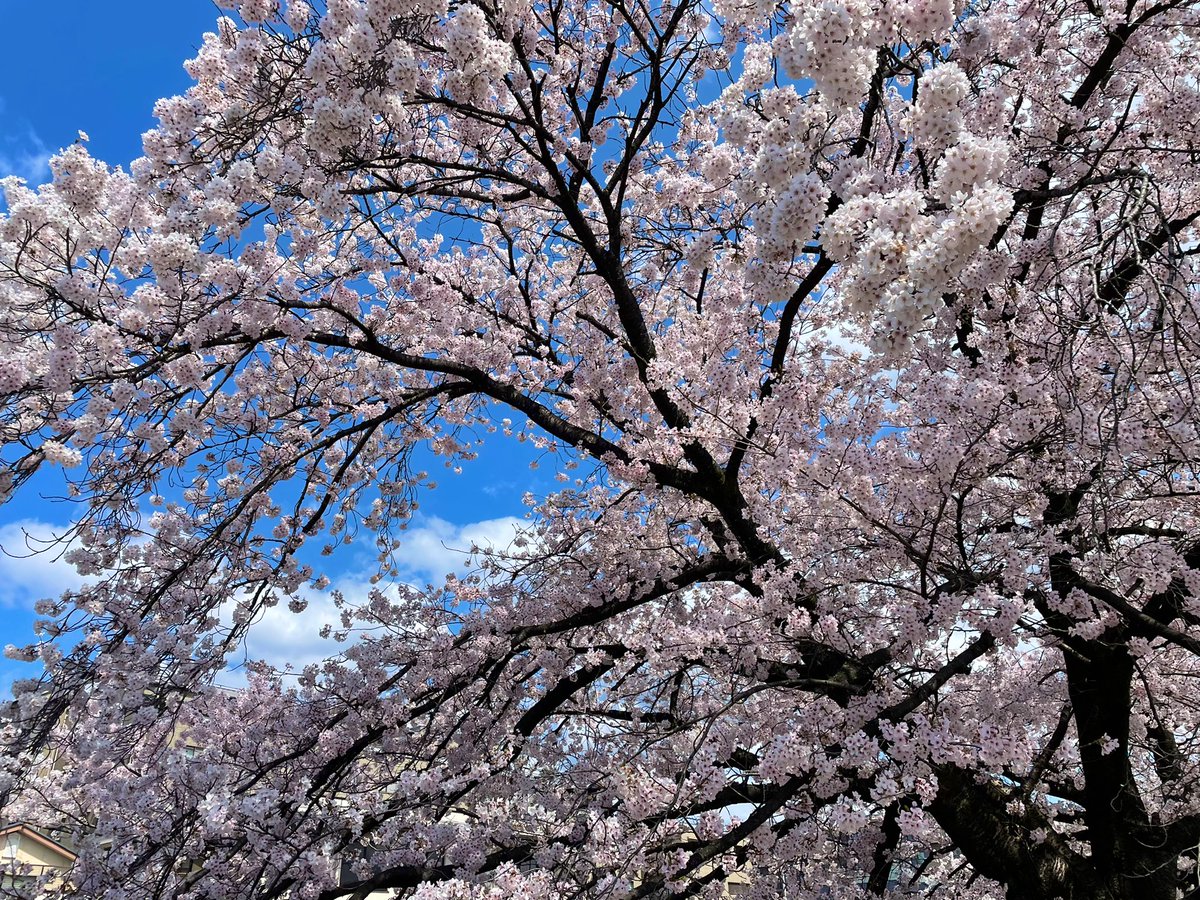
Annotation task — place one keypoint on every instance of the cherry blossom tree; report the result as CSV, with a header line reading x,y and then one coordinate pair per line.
x,y
862,337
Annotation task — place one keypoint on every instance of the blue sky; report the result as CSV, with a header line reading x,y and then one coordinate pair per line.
x,y
76,65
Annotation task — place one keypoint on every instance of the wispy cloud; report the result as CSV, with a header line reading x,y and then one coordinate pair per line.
x,y
428,551
435,548
31,566
22,151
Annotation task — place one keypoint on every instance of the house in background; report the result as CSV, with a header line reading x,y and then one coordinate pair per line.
x,y
27,855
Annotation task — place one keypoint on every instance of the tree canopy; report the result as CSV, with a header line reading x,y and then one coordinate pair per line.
x,y
863,336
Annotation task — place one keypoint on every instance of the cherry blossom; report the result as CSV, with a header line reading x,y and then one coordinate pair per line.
x,y
860,337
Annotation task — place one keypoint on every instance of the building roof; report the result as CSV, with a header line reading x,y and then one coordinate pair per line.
x,y
20,829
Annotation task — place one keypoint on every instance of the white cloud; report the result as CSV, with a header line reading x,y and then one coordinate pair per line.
x,y
26,157
32,568
427,553
283,639
31,564
836,336
435,548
